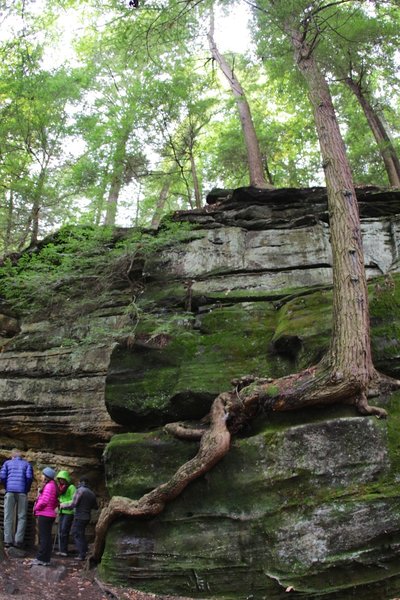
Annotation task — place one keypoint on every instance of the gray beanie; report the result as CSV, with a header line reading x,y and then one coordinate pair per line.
x,y
49,472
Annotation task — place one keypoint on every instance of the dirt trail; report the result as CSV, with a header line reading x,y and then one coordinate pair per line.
x,y
64,579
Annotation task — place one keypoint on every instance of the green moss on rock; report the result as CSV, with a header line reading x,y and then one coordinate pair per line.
x,y
385,324
174,372
297,503
132,461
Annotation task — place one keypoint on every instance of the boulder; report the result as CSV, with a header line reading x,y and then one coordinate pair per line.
x,y
300,503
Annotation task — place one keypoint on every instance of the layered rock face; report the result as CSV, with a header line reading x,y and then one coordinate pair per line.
x,y
248,291
305,500
52,407
52,396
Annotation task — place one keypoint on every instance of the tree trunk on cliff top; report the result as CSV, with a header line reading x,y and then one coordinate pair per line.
x,y
196,185
350,352
346,372
379,130
155,221
117,175
254,158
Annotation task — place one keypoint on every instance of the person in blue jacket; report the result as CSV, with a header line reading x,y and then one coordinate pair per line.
x,y
16,475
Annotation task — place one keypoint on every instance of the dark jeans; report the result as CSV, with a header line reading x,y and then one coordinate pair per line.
x,y
64,527
45,525
78,531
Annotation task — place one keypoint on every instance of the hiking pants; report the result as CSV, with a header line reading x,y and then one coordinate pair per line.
x,y
15,503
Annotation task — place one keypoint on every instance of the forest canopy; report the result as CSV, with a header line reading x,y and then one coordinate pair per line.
x,y
119,112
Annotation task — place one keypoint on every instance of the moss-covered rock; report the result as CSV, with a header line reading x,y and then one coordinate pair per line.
x,y
385,323
300,502
179,362
177,366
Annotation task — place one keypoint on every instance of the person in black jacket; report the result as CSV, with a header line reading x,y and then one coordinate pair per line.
x,y
84,501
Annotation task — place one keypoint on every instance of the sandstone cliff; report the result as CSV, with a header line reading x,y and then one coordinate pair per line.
x,y
306,499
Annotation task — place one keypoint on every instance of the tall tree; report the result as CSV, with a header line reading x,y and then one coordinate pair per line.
x,y
355,82
162,198
111,121
346,372
35,111
254,158
118,165
361,52
349,359
185,106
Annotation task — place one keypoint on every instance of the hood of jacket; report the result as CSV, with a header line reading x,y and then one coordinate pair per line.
x,y
64,475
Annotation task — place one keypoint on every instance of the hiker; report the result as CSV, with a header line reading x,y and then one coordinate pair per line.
x,y
16,475
66,490
84,501
45,510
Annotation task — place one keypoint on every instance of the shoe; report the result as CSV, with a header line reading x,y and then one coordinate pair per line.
x,y
18,545
61,554
81,558
7,545
37,562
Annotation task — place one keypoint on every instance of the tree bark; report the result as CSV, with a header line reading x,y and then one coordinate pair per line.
x,y
379,130
113,195
160,205
350,351
254,158
117,176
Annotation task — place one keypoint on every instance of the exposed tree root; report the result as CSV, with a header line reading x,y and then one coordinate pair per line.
x,y
214,445
316,386
184,432
230,411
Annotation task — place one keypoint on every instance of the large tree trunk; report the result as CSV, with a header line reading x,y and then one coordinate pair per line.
x,y
113,195
350,352
379,130
254,158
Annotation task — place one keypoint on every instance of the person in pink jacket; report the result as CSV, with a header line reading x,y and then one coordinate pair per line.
x,y
45,510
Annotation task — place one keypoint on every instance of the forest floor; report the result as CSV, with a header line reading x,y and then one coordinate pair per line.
x,y
63,579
